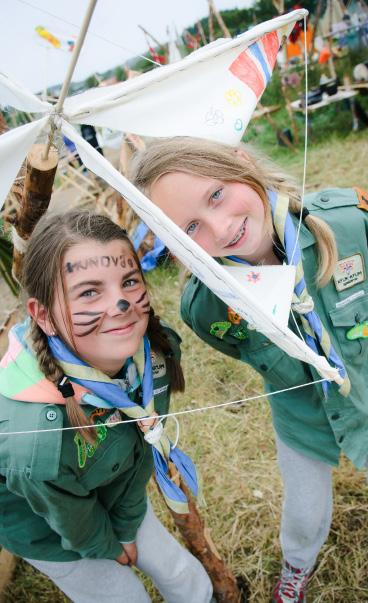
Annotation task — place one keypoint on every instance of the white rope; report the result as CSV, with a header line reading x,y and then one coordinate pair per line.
x,y
305,137
171,414
19,243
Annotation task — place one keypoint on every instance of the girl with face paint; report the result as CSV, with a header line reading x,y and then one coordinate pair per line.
x,y
76,503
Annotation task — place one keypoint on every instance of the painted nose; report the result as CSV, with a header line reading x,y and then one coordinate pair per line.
x,y
123,305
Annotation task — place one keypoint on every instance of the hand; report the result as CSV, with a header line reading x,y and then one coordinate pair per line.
x,y
129,554
146,424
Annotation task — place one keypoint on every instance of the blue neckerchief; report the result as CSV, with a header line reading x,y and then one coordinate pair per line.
x,y
103,388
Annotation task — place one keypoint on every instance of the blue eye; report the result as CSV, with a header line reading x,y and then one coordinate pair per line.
x,y
190,230
217,194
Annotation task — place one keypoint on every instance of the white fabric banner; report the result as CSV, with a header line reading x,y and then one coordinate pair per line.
x,y
211,93
14,146
215,276
13,94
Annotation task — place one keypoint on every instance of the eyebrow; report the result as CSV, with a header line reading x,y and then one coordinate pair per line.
x,y
98,283
83,284
131,273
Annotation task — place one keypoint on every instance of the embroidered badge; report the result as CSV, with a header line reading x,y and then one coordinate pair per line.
x,y
218,329
362,198
349,272
87,450
233,317
239,332
158,365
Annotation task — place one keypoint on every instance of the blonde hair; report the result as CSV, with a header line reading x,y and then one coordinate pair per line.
x,y
42,267
223,162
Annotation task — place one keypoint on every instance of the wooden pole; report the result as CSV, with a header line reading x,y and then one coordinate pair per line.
x,y
3,124
7,567
73,62
211,32
220,20
40,174
316,23
199,542
201,33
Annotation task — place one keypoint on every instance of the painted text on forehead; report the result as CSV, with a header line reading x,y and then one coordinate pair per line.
x,y
100,261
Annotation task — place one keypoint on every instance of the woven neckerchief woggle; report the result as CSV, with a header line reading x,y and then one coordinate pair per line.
x,y
105,390
302,302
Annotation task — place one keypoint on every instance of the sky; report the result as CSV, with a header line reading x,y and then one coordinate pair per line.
x,y
113,35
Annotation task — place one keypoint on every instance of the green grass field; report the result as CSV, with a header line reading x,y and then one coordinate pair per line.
x,y
234,449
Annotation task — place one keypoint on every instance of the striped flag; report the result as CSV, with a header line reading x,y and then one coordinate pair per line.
x,y
254,65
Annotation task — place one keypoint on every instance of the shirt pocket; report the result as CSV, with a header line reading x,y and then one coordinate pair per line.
x,y
276,367
344,319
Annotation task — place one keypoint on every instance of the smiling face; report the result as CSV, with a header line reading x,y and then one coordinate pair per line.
x,y
108,303
224,218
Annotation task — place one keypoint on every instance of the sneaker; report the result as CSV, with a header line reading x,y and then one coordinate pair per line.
x,y
292,585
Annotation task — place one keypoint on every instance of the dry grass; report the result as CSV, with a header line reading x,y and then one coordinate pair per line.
x,y
235,454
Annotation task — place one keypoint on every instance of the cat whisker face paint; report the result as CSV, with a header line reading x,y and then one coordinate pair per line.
x,y
107,300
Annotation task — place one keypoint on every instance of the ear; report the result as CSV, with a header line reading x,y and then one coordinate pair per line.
x,y
40,315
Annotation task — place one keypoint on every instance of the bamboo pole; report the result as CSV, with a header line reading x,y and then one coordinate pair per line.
x,y
199,542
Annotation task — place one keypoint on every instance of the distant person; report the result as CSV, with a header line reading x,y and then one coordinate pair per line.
x,y
89,134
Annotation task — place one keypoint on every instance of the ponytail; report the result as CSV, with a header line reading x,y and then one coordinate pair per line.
x,y
326,243
160,343
54,373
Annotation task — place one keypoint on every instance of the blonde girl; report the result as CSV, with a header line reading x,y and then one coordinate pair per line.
x,y
241,209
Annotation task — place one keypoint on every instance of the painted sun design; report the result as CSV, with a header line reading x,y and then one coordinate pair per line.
x,y
254,277
233,97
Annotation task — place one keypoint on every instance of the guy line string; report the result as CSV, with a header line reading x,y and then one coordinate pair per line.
x,y
167,415
305,156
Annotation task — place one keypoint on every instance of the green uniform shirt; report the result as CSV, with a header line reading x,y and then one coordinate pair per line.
x,y
61,500
303,418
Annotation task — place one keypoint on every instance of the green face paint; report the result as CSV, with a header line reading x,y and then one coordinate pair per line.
x,y
360,331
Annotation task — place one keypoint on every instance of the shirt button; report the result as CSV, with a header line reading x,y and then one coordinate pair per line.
x,y
325,199
115,467
335,416
341,439
263,367
51,415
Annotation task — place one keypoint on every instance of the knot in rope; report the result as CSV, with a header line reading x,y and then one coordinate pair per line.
x,y
305,306
153,435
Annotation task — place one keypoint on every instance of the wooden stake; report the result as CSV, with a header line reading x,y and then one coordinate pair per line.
x,y
38,183
220,20
7,567
199,542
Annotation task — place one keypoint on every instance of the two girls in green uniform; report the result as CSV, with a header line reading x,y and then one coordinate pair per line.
x,y
242,210
73,502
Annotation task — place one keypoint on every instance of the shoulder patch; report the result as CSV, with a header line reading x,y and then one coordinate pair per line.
x,y
362,198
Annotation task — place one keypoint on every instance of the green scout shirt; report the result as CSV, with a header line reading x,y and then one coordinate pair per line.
x,y
303,418
61,500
